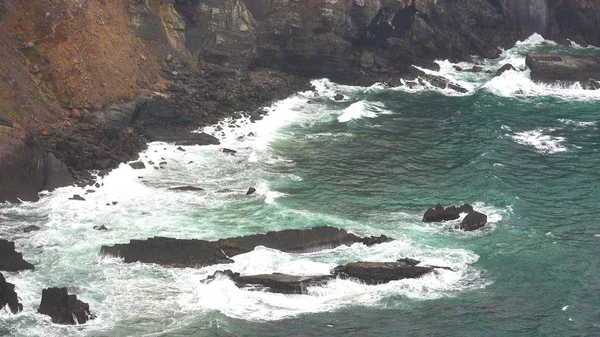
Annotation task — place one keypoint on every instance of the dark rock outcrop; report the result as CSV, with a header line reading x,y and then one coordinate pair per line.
x,y
64,308
276,282
439,213
565,69
138,165
473,221
56,174
504,69
77,197
9,297
229,151
31,228
199,253
186,188
10,260
251,191
381,272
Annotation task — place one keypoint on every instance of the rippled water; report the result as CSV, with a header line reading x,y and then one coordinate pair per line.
x,y
523,153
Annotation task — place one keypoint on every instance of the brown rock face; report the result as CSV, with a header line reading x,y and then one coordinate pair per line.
x,y
200,253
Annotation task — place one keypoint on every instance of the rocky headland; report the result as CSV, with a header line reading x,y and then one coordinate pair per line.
x,y
86,84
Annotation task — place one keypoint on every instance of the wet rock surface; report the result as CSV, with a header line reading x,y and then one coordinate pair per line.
x,y
473,221
439,213
9,297
64,308
186,188
200,253
371,273
10,260
565,69
276,282
381,272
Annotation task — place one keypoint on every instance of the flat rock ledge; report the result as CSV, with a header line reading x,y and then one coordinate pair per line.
x,y
64,308
371,273
10,260
565,69
182,253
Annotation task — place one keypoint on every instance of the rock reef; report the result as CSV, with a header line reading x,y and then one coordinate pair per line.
x,y
199,253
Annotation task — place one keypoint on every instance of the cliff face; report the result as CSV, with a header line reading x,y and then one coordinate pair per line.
x,y
67,67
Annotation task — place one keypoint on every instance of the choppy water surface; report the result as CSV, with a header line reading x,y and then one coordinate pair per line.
x,y
523,153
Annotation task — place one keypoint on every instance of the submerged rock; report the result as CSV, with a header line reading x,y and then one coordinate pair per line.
x,y
9,297
565,69
100,228
229,151
381,272
473,221
31,228
439,213
10,260
199,253
186,188
64,308
138,165
338,97
276,282
77,197
251,191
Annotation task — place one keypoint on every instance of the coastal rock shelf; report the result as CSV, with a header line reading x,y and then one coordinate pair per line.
x,y
472,221
371,273
200,253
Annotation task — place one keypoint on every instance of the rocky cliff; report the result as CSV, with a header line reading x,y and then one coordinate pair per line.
x,y
82,81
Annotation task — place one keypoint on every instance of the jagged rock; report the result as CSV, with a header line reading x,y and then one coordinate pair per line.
x,y
138,165
251,191
504,69
230,151
275,283
9,297
77,197
31,228
186,188
338,97
64,308
439,214
381,272
200,253
56,174
10,260
473,221
565,69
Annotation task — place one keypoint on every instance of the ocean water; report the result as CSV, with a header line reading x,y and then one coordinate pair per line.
x,y
525,154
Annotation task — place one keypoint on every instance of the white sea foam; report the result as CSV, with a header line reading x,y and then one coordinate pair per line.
x,y
577,123
540,140
362,109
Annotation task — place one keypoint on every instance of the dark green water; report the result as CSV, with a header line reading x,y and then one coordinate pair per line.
x,y
527,155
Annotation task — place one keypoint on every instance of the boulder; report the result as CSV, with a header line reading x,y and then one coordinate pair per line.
x,y
251,191
473,221
338,97
10,260
184,253
439,213
229,151
100,228
77,197
64,308
9,297
186,188
381,272
275,283
138,165
31,228
565,69
504,69
56,174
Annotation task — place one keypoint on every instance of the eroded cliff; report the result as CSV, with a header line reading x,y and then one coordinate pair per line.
x,y
90,81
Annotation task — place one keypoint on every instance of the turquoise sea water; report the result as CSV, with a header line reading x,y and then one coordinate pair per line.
x,y
524,154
